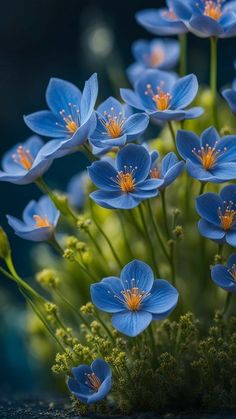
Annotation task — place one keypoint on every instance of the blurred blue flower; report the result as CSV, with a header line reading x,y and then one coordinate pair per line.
x,y
25,162
91,384
218,215
168,170
124,183
39,220
71,117
230,95
225,276
208,158
162,21
207,18
114,128
134,299
77,190
162,96
158,53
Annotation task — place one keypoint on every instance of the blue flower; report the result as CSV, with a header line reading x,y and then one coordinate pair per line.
x,y
71,117
39,220
115,128
208,158
161,21
158,53
91,384
162,96
134,299
208,18
77,190
168,170
25,162
225,276
124,183
230,95
218,213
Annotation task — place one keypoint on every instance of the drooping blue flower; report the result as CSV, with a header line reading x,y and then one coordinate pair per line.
x,y
158,53
218,215
225,276
124,183
77,190
134,299
209,158
25,162
114,127
207,18
39,221
91,384
168,170
71,117
230,95
162,96
162,21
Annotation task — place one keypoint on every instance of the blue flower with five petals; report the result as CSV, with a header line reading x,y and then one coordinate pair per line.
x,y
208,158
114,127
134,299
90,384
208,18
168,170
218,215
225,276
124,183
161,21
162,96
39,221
158,53
25,162
71,117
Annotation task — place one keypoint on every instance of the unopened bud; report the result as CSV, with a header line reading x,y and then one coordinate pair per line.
x,y
5,249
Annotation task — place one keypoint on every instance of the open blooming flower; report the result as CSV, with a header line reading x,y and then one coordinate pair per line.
x,y
115,128
158,53
71,117
39,220
230,95
161,21
225,276
25,162
90,384
124,184
77,189
218,213
207,18
134,299
168,170
162,96
208,158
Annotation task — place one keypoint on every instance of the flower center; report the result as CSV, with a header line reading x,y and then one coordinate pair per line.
x,y
93,381
71,120
113,124
154,173
23,158
126,181
227,216
157,57
213,9
208,155
170,14
162,99
133,298
41,222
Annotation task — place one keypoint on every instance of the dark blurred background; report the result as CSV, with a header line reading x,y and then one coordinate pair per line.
x,y
71,40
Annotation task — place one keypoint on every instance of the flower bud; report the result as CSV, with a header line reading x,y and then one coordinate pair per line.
x,y
5,249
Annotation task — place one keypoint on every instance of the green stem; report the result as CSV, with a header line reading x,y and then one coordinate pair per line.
x,y
145,228
202,187
172,262
163,201
158,234
183,54
172,132
227,303
153,344
103,324
127,244
89,153
76,312
213,80
54,243
96,245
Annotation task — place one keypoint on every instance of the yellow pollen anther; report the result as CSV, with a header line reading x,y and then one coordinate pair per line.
x,y
126,181
208,155
162,99
23,157
133,298
157,57
212,9
41,222
227,216
113,124
154,173
93,381
71,120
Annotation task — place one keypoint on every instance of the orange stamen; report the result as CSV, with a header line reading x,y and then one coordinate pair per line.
x,y
212,9
113,124
41,222
93,381
161,99
154,173
208,155
157,57
227,217
23,157
126,181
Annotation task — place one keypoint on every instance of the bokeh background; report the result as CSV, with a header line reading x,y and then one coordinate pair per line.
x,y
71,40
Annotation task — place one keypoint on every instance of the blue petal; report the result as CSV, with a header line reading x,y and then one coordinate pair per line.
x,y
146,194
168,162
228,193
134,71
101,369
138,273
186,142
210,231
110,105
119,200
29,233
89,97
130,97
171,52
103,175
102,391
230,238
80,374
227,148
136,157
194,113
231,261
46,207
221,277
225,171
183,9
204,26
131,323
168,115
33,144
207,206
197,171
60,93
80,392
104,295
209,137
46,123
112,142
156,21
77,188
173,173
230,97
149,184
135,125
163,297
184,91
141,51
